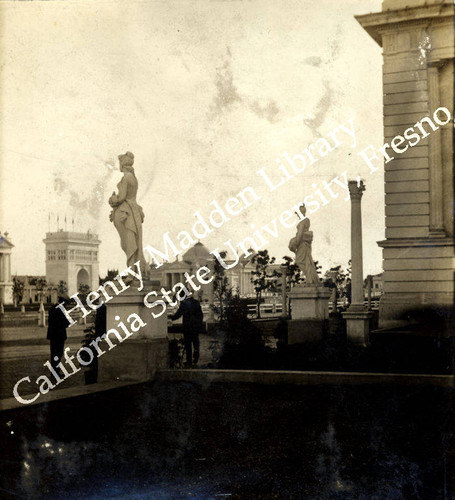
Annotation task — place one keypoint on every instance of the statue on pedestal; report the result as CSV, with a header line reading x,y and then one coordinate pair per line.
x,y
301,246
126,214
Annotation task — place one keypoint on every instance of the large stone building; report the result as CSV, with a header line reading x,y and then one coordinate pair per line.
x,y
239,277
6,284
72,257
31,293
417,38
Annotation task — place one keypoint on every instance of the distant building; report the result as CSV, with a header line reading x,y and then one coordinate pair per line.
x,y
72,257
239,277
377,286
31,294
6,283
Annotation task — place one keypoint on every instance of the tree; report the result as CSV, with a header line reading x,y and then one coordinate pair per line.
x,y
41,287
222,292
262,279
62,288
337,277
84,290
18,290
318,267
294,275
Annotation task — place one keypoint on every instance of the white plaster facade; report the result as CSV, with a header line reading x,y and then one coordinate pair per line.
x,y
239,277
72,257
417,38
6,283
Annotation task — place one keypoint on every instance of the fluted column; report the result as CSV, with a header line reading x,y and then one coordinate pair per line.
x,y
357,317
356,192
435,157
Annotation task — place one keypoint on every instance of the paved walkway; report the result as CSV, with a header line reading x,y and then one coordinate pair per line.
x,y
24,350
34,334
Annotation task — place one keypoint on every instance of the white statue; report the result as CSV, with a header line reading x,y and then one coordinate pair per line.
x,y
301,246
127,215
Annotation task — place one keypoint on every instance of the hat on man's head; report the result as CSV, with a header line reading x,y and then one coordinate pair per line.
x,y
62,297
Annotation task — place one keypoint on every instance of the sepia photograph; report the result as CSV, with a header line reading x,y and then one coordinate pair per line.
x,y
227,255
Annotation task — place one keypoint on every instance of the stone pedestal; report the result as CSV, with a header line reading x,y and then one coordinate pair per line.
x,y
310,313
139,356
358,324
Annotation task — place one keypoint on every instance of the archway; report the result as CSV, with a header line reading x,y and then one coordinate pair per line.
x,y
83,278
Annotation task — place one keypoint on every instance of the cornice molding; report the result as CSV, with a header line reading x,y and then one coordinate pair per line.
x,y
375,23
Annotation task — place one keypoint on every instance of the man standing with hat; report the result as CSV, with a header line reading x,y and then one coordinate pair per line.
x,y
192,314
56,331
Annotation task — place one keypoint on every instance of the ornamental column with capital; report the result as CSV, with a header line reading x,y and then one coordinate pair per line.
x,y
356,193
357,316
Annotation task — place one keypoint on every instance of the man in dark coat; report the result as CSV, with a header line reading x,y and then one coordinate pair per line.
x,y
100,320
192,314
56,332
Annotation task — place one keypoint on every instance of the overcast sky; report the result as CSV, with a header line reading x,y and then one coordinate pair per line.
x,y
205,93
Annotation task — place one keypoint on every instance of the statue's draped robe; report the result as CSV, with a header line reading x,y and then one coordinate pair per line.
x,y
128,217
301,245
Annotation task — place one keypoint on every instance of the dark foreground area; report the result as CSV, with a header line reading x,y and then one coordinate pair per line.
x,y
181,440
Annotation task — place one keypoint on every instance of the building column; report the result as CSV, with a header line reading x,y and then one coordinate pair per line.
x,y
435,159
356,193
357,317
5,268
8,267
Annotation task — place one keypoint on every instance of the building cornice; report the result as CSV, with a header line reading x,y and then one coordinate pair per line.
x,y
72,241
375,23
416,242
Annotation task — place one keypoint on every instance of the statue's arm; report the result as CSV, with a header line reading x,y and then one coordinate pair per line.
x,y
299,234
117,199
122,189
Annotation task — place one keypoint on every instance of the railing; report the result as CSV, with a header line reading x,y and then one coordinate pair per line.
x,y
343,304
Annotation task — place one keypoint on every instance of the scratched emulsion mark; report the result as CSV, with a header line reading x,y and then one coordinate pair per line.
x,y
227,95
313,61
327,99
329,464
44,457
321,110
424,47
90,202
